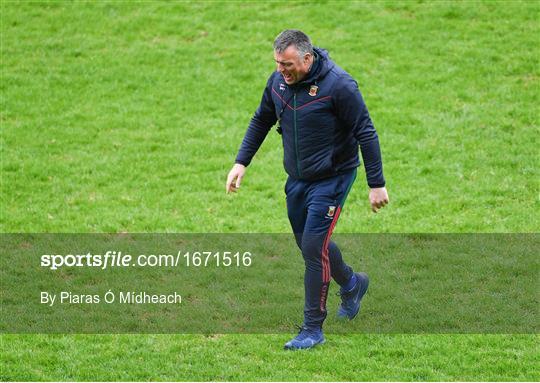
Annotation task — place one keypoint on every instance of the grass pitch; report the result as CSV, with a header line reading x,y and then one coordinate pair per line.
x,y
127,117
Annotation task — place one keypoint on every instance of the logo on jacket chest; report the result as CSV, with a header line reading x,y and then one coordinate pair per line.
x,y
313,90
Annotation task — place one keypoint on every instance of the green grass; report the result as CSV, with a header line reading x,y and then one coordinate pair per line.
x,y
256,357
120,117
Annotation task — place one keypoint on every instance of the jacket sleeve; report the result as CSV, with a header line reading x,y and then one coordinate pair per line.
x,y
261,122
352,110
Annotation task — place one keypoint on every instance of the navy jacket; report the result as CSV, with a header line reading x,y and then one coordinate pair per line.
x,y
322,120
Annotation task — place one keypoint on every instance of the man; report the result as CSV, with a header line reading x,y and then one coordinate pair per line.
x,y
322,118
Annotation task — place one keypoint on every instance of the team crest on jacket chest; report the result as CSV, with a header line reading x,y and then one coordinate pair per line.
x,y
313,90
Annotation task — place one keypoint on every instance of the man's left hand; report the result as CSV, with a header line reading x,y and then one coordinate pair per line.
x,y
378,197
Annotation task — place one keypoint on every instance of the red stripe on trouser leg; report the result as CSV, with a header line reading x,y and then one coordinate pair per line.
x,y
326,261
325,255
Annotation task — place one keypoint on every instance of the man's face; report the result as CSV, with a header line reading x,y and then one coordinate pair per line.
x,y
292,67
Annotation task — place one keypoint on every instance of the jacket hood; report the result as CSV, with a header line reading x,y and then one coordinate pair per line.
x,y
321,66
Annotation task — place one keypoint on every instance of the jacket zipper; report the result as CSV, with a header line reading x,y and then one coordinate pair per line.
x,y
296,139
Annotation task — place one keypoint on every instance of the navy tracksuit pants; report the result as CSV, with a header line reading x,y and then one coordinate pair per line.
x,y
313,208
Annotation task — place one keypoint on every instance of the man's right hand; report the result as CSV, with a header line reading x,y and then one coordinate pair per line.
x,y
235,178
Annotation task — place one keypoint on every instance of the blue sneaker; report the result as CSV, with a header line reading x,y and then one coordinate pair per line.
x,y
306,338
351,300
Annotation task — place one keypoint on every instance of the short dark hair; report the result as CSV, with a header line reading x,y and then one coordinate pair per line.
x,y
294,37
